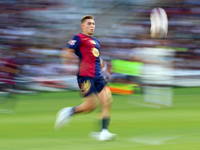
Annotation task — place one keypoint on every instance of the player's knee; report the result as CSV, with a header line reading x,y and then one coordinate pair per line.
x,y
106,98
108,102
109,97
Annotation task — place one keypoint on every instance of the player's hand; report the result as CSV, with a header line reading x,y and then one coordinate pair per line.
x,y
108,71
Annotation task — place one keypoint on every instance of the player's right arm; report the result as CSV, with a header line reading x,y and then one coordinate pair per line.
x,y
67,55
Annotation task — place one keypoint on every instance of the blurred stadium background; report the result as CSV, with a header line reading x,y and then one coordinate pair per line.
x,y
32,33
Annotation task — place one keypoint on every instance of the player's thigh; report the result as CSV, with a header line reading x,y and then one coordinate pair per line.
x,y
90,101
105,96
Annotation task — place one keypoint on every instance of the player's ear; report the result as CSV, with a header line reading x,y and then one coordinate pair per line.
x,y
82,26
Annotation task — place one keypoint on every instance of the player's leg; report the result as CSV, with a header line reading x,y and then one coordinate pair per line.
x,y
89,104
105,97
63,116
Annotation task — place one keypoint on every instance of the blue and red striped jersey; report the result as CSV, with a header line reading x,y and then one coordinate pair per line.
x,y
87,48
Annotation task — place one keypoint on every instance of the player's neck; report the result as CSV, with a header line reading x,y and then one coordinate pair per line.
x,y
87,34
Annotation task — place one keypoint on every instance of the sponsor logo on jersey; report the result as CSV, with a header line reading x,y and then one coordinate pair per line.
x,y
95,52
93,42
72,42
85,87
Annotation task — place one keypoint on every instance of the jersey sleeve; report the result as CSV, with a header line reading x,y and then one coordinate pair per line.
x,y
75,43
98,42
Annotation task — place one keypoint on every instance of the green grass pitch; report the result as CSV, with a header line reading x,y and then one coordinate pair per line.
x,y
137,127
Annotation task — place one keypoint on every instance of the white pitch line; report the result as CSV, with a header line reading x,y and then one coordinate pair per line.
x,y
152,140
6,111
159,138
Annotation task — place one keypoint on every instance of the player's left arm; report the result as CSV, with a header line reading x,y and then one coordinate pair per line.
x,y
106,67
67,55
101,63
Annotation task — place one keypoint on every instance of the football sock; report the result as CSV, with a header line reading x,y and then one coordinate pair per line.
x,y
105,123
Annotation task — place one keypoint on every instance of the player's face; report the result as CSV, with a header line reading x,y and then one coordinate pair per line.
x,y
88,27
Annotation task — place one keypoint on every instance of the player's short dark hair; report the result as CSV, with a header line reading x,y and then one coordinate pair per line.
x,y
87,17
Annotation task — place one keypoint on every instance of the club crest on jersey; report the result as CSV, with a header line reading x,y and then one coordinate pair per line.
x,y
93,42
72,42
85,87
95,52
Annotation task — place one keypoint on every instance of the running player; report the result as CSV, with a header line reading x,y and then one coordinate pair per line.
x,y
90,79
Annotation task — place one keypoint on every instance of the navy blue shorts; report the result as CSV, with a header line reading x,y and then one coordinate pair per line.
x,y
89,85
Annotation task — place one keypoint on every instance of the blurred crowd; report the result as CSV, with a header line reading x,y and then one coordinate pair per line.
x,y
34,32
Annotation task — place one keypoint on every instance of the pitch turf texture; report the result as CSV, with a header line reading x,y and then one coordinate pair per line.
x,y
136,126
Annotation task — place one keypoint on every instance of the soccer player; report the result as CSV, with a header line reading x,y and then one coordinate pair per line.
x,y
89,77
